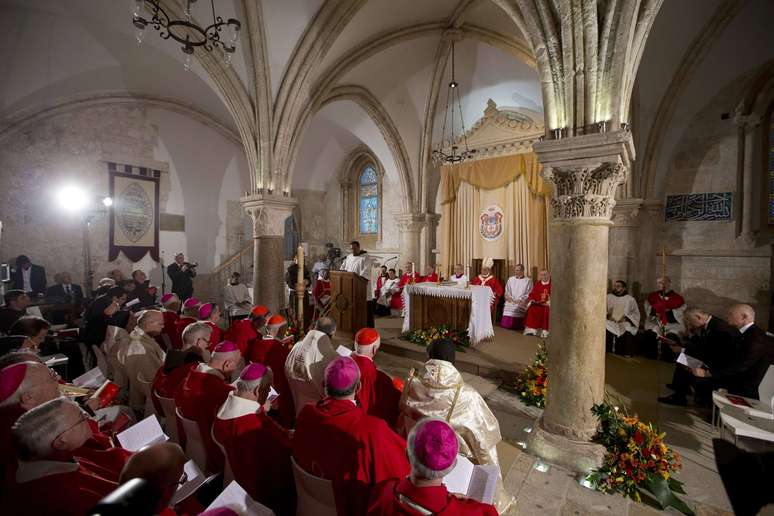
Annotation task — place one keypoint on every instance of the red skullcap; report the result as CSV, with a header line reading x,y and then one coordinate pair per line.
x,y
191,302
259,311
206,310
253,371
342,374
435,445
225,347
367,337
11,378
275,320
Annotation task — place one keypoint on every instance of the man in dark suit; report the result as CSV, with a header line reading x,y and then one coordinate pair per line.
x,y
143,291
28,277
181,273
16,303
713,341
65,292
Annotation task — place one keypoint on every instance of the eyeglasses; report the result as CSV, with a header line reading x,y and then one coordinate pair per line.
x,y
83,417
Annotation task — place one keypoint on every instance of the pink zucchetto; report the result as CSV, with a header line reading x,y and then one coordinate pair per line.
x,y
341,374
434,444
205,311
254,371
11,378
225,347
168,298
191,302
220,511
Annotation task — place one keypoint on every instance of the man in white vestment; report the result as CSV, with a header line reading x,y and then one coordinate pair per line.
x,y
459,277
236,296
390,287
306,363
359,262
517,290
623,320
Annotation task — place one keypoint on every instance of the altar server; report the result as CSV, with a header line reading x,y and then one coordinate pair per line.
x,y
432,451
517,290
359,450
623,320
377,395
538,306
257,448
486,279
389,289
459,277
306,362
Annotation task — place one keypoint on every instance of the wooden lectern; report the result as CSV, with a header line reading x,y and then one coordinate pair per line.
x,y
348,302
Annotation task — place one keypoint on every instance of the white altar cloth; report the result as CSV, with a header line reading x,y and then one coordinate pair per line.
x,y
480,325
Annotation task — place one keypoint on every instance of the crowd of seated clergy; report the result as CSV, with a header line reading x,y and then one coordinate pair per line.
x,y
259,401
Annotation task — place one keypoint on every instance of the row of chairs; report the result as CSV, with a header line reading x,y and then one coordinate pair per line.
x,y
746,417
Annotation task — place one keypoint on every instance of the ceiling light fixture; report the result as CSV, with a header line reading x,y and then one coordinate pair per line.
x,y
184,31
455,154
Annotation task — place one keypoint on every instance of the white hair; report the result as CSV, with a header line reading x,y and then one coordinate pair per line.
x,y
192,332
37,429
419,469
249,386
26,384
143,317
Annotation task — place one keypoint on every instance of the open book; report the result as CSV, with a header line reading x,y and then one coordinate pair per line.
x,y
689,361
343,351
91,379
476,482
235,498
146,432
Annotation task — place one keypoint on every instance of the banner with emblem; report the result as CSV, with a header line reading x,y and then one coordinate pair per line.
x,y
134,215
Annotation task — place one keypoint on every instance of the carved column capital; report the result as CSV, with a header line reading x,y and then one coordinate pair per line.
x,y
411,222
268,213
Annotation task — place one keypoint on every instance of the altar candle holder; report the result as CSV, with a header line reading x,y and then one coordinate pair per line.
x,y
411,277
438,276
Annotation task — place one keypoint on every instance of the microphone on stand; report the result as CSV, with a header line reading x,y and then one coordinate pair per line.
x,y
163,276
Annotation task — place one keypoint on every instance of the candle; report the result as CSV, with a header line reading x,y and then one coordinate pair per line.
x,y
300,289
467,271
412,273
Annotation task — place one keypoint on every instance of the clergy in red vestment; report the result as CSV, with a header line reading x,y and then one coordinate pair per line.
x,y
538,305
430,275
244,331
258,450
275,357
49,478
189,315
486,279
170,307
359,450
380,280
179,362
210,313
432,451
203,392
410,276
377,395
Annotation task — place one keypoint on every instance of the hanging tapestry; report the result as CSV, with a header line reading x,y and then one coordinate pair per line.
x,y
134,215
491,223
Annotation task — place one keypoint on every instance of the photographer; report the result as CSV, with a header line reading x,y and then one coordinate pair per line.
x,y
182,273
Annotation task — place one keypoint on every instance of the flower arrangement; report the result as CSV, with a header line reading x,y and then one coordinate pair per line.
x,y
532,382
424,337
637,462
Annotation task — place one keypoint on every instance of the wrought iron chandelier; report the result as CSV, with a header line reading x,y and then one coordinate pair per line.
x,y
456,153
184,31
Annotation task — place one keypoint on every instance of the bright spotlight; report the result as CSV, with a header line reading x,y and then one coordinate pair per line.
x,y
72,198
108,202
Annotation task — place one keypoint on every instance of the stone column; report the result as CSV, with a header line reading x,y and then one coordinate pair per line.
x,y
748,127
585,172
410,229
427,239
268,213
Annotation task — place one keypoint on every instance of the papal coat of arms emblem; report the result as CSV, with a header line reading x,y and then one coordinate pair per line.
x,y
491,223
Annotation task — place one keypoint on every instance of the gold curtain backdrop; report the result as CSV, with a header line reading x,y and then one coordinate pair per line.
x,y
514,184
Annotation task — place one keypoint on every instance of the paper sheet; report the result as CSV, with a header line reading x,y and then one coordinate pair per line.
x,y
272,394
689,361
476,482
195,480
146,432
343,351
92,379
235,498
458,480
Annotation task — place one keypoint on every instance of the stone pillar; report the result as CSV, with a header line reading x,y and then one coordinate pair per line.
x,y
749,136
427,239
585,172
268,213
410,229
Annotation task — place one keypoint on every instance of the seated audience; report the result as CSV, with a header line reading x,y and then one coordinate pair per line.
x,y
236,296
16,303
517,291
34,328
359,450
98,313
103,285
486,279
272,350
432,451
143,356
65,292
306,362
162,466
538,306
28,277
143,291
204,390
115,346
258,450
190,314
623,320
664,310
711,340
242,332
210,314
744,372
49,478
170,308
437,389
377,395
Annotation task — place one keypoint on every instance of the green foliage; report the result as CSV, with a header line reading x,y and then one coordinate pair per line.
x,y
532,382
427,336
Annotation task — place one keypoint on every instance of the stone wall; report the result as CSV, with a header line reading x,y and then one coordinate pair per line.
x,y
204,168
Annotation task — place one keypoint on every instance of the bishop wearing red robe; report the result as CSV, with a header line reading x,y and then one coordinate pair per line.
x,y
538,306
377,395
244,331
190,312
486,279
258,450
210,313
168,338
360,450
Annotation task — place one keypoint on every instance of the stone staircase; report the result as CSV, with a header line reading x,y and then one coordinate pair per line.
x,y
209,287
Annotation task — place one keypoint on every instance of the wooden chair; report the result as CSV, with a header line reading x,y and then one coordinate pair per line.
x,y
315,494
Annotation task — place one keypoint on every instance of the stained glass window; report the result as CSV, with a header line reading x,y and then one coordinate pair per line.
x,y
369,202
770,171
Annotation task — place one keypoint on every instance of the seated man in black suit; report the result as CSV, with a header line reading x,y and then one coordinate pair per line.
x,y
65,292
28,277
16,303
143,291
711,340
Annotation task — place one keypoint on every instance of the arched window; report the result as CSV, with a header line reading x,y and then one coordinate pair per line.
x,y
368,204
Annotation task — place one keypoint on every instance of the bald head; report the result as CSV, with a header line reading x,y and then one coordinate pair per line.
x,y
161,465
740,315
